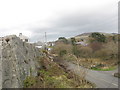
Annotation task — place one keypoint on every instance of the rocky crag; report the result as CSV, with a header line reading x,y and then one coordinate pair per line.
x,y
0,63
18,60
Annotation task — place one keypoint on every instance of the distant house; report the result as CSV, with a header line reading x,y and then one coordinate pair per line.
x,y
39,44
51,44
23,38
81,43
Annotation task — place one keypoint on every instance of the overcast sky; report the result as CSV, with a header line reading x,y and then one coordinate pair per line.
x,y
57,17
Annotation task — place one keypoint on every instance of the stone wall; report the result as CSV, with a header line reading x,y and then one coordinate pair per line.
x,y
0,63
19,60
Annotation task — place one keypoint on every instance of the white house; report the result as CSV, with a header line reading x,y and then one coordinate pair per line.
x,y
39,44
51,44
81,43
23,38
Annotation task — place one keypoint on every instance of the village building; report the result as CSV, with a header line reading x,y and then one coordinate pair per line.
x,y
39,44
50,44
23,38
81,42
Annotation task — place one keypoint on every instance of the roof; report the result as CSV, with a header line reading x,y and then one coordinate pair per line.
x,y
82,43
23,37
39,43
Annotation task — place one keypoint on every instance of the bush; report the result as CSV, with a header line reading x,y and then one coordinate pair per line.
x,y
109,51
70,57
73,41
82,51
29,81
112,49
85,52
98,37
95,46
101,54
75,51
62,52
62,39
61,49
51,80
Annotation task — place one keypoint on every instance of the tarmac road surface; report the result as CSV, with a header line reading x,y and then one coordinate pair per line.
x,y
102,79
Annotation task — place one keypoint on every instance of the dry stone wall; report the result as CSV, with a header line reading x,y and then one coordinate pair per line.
x,y
19,60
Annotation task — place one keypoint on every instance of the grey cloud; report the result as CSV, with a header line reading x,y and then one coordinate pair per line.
x,y
74,24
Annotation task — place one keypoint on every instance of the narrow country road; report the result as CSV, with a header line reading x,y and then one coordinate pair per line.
x,y
102,79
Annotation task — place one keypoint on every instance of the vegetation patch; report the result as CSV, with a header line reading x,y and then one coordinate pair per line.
x,y
54,81
29,81
54,76
94,46
104,69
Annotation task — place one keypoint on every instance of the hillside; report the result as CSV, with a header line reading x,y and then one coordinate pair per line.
x,y
87,34
25,66
93,50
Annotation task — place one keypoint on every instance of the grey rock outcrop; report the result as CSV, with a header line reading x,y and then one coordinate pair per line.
x,y
19,60
0,63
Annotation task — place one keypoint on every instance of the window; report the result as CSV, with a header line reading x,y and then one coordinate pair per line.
x,y
26,40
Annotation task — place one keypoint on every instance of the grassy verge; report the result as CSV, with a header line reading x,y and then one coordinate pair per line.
x,y
54,76
101,69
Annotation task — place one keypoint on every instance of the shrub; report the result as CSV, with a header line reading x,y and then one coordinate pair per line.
x,y
85,52
63,39
70,57
112,49
95,46
62,52
101,54
75,51
98,37
82,51
51,80
109,51
29,81
61,49
73,41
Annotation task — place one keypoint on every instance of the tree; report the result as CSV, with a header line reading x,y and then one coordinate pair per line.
x,y
74,48
98,37
73,41
63,39
75,51
61,49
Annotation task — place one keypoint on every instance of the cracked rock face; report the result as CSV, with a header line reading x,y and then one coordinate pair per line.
x,y
19,60
0,63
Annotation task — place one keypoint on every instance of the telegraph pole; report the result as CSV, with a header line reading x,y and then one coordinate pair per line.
x,y
45,38
45,41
